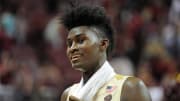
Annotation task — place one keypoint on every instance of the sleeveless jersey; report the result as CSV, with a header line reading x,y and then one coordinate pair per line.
x,y
110,91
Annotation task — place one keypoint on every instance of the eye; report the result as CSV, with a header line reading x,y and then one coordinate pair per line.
x,y
80,40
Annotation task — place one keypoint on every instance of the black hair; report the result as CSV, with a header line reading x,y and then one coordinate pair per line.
x,y
93,16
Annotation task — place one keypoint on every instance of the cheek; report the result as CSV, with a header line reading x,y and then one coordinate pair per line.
x,y
90,51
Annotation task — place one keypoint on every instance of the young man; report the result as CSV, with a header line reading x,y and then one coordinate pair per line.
x,y
88,42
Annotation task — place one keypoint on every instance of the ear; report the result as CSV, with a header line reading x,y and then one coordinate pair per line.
x,y
104,44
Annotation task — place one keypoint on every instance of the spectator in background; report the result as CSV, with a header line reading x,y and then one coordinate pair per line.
x,y
52,35
122,65
156,69
8,21
52,31
21,25
7,77
172,92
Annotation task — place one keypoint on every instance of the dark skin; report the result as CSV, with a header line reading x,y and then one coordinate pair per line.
x,y
87,52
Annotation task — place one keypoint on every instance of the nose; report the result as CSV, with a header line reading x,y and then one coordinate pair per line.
x,y
73,48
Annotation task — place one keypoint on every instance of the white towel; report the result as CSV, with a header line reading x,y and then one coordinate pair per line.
x,y
87,92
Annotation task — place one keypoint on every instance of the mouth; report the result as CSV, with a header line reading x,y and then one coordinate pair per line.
x,y
75,58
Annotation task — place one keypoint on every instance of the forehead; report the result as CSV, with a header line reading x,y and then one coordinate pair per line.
x,y
82,30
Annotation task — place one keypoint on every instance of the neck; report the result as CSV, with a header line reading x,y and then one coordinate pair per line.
x,y
87,75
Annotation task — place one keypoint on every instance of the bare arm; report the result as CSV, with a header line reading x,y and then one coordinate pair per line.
x,y
134,90
65,95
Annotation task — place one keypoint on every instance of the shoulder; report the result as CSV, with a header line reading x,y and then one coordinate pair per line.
x,y
65,94
134,90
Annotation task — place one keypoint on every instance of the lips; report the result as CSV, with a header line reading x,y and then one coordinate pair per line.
x,y
75,57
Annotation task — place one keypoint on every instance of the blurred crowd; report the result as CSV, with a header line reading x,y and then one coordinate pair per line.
x,y
33,62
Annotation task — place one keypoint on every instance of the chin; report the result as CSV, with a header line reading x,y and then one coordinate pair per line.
x,y
78,67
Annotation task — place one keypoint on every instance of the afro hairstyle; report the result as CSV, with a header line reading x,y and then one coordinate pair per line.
x,y
92,16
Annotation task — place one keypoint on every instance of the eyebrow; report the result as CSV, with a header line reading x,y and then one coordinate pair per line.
x,y
76,36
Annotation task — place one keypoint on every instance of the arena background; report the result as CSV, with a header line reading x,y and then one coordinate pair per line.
x,y
33,63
